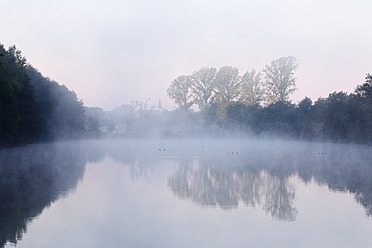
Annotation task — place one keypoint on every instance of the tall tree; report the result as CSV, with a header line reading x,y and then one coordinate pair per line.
x,y
364,94
304,121
180,92
227,84
227,88
280,80
140,106
203,86
335,116
252,88
365,90
19,121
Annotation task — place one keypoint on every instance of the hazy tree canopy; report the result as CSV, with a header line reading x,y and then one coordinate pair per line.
x,y
252,88
34,108
141,106
335,121
340,117
365,90
180,92
227,84
227,88
280,79
61,112
203,86
364,98
94,120
18,111
233,102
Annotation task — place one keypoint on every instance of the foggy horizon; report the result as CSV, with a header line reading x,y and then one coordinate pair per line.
x,y
112,52
185,123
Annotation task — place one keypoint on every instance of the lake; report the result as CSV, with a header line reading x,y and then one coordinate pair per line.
x,y
186,193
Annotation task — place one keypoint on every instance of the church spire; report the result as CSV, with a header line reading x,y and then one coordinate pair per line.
x,y
159,106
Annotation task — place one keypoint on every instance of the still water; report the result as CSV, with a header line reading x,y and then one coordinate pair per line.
x,y
186,193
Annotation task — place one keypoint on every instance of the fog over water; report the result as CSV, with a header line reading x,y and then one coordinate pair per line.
x,y
166,193
176,123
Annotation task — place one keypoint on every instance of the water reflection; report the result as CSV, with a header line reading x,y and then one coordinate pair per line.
x,y
31,178
259,175
256,174
223,188
34,176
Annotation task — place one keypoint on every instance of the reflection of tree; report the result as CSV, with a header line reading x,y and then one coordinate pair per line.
x,y
224,188
210,187
259,175
344,171
279,198
31,178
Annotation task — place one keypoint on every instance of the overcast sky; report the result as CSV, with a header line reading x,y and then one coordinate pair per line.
x,y
112,51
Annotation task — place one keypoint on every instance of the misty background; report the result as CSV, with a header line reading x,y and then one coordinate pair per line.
x,y
92,88
110,52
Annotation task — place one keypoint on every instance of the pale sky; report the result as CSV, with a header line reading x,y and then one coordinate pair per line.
x,y
112,51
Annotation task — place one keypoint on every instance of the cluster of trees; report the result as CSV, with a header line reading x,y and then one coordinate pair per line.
x,y
258,103
135,120
338,117
225,86
34,108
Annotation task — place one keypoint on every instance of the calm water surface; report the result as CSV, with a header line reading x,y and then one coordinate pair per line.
x,y
186,193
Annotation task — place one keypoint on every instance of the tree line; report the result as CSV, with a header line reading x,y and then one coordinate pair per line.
x,y
34,108
225,86
340,117
258,103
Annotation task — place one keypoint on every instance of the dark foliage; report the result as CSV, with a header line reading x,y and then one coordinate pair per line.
x,y
34,108
340,117
61,113
18,108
